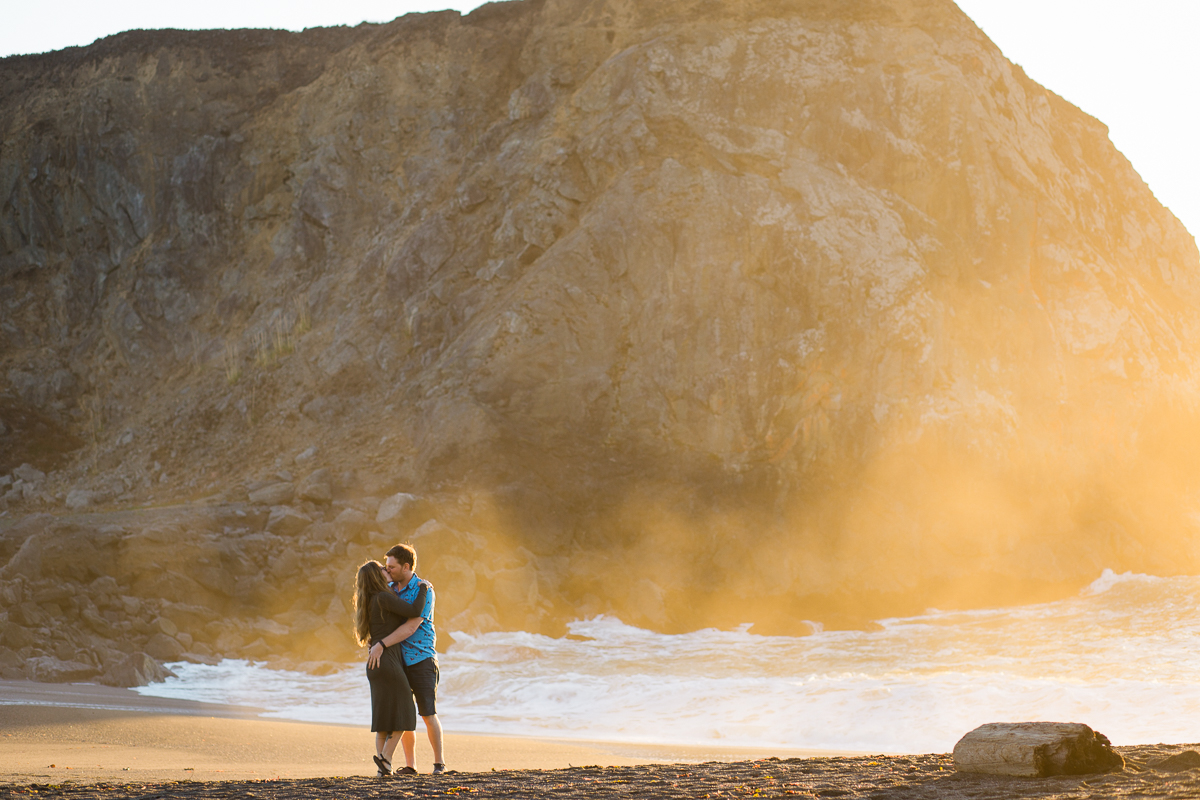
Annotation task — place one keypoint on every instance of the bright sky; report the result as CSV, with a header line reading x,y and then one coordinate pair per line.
x,y
1134,66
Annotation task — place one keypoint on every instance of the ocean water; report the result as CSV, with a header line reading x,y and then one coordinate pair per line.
x,y
1123,656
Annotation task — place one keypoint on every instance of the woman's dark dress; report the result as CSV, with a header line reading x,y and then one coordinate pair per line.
x,y
392,706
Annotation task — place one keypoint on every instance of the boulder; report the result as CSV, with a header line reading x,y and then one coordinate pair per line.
x,y
188,617
394,511
15,636
454,585
165,626
106,656
317,487
274,494
284,566
434,540
164,648
10,594
200,658
351,524
54,593
178,588
302,623
358,554
29,615
11,660
249,591
336,612
257,650
323,533
322,409
479,617
335,639
515,593
132,606
98,623
105,584
138,669
267,628
287,521
49,669
78,499
229,642
29,473
1035,750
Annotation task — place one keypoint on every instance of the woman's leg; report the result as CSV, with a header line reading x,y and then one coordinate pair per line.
x,y
409,740
389,746
381,743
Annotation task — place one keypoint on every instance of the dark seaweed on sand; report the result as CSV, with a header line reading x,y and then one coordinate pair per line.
x,y
1153,770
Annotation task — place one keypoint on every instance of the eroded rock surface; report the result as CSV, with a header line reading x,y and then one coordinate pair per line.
x,y
822,307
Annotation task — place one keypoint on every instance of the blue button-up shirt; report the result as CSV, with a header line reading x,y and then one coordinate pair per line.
x,y
419,646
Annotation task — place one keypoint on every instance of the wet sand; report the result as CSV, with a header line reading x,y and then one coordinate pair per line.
x,y
84,742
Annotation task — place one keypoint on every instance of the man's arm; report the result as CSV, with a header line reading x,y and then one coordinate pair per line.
x,y
403,632
394,638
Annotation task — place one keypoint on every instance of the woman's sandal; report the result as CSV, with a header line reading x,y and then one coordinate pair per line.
x,y
406,771
385,766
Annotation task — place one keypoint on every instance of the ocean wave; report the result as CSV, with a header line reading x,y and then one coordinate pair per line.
x,y
1120,656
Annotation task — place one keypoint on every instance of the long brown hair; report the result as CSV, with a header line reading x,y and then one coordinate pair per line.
x,y
366,584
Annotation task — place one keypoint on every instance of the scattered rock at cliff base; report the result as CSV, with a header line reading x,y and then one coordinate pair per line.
x,y
164,647
287,521
29,473
1035,750
1188,759
14,637
48,669
274,494
79,499
317,487
138,669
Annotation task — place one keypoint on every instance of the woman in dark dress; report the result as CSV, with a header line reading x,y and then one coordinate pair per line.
x,y
378,612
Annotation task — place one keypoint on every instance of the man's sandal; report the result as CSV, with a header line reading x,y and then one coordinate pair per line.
x,y
385,766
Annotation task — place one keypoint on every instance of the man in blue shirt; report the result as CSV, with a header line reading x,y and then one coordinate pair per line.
x,y
417,637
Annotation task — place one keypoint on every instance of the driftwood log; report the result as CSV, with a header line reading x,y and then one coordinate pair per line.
x,y
1035,750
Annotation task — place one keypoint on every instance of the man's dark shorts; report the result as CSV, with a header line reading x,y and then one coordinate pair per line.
x,y
423,678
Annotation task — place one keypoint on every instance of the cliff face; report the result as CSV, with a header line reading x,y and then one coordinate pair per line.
x,y
822,307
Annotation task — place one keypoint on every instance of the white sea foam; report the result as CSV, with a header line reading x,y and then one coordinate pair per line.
x,y
1122,657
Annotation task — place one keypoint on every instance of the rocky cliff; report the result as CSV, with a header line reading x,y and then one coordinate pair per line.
x,y
691,312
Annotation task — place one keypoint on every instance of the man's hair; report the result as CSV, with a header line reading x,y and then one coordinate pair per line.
x,y
404,554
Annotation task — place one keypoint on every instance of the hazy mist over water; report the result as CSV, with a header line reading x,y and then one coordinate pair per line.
x,y
1120,657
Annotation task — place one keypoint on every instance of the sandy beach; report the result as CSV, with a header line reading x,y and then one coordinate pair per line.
x,y
50,733
82,741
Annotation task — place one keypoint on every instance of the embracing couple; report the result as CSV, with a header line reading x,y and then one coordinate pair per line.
x,y
393,613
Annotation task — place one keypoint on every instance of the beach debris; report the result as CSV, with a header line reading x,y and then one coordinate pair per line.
x,y
1035,750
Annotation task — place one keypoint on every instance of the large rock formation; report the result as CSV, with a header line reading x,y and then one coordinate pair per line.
x,y
692,312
